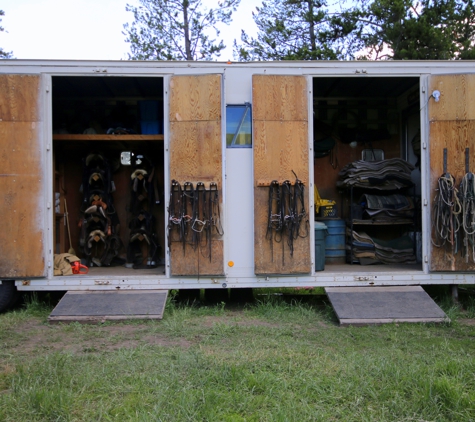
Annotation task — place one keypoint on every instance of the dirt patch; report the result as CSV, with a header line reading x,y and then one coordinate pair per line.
x,y
467,321
237,319
35,336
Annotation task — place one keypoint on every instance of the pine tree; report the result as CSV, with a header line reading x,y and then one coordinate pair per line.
x,y
176,29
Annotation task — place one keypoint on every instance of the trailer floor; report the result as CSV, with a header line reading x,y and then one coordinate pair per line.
x,y
122,271
330,268
379,305
380,268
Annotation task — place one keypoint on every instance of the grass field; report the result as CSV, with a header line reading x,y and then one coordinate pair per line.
x,y
281,358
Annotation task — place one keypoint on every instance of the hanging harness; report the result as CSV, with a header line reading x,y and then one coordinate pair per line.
x,y
193,213
286,215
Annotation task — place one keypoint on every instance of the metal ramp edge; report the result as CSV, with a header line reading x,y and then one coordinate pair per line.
x,y
94,306
381,305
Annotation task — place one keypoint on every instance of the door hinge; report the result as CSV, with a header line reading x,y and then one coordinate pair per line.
x,y
425,202
426,259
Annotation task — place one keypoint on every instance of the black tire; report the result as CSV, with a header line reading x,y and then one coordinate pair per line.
x,y
8,295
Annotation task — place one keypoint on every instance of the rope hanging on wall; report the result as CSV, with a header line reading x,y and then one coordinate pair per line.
x,y
446,211
467,199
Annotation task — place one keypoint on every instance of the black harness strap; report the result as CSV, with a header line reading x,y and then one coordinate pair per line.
x,y
215,215
274,216
188,206
300,212
175,210
199,220
288,216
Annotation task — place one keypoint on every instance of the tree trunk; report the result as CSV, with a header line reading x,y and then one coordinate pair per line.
x,y
311,24
186,30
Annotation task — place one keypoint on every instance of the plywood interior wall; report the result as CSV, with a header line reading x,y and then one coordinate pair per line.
x,y
452,126
196,156
327,169
22,185
280,138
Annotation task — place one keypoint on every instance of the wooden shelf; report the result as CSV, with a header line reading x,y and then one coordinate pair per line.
x,y
68,137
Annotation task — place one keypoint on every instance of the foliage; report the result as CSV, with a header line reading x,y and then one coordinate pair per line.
x,y
295,30
417,30
4,54
366,29
176,29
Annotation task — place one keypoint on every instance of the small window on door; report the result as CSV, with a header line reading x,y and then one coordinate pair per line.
x,y
238,126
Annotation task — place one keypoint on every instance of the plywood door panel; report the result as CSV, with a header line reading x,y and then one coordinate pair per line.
x,y
19,98
21,200
280,138
280,147
452,126
195,98
457,97
196,152
279,98
196,156
183,261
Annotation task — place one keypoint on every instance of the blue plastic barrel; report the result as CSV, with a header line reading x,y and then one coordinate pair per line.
x,y
335,250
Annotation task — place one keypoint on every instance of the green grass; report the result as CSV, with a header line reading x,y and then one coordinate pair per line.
x,y
279,359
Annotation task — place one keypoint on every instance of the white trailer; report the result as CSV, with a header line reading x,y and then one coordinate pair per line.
x,y
233,129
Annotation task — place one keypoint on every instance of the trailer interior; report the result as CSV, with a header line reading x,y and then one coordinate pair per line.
x,y
366,119
109,172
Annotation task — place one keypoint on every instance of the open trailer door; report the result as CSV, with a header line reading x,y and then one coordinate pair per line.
x,y
195,230
451,130
281,155
22,186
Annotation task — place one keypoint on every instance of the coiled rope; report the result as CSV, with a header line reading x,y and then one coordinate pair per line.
x,y
467,197
446,213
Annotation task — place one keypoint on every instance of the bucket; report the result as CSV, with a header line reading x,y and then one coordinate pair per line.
x,y
335,250
320,234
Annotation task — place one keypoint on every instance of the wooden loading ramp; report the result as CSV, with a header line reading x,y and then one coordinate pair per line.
x,y
100,306
380,305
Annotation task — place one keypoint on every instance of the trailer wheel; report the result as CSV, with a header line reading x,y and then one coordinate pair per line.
x,y
8,294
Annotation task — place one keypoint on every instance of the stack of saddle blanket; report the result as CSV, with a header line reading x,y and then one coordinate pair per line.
x,y
387,208
370,250
391,174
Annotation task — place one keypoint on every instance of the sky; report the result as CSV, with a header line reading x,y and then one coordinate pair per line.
x,y
87,29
